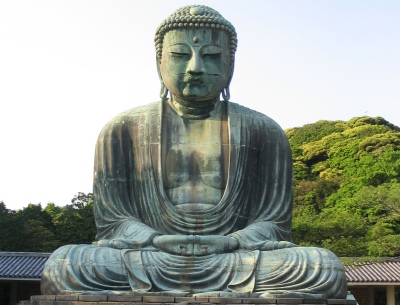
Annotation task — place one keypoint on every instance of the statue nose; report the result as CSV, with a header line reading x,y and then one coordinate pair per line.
x,y
195,64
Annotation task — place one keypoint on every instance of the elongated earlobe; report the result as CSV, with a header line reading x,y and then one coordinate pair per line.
x,y
226,94
163,91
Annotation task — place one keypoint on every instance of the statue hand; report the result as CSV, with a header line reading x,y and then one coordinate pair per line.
x,y
175,244
188,245
275,245
116,244
210,244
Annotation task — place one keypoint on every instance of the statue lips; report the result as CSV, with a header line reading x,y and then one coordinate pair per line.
x,y
193,80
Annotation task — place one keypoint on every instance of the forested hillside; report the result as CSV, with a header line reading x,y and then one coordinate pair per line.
x,y
347,186
346,195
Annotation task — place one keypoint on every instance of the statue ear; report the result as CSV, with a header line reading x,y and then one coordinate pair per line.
x,y
231,74
226,95
164,90
158,63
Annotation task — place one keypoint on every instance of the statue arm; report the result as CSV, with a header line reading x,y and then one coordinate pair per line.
x,y
260,236
117,220
269,223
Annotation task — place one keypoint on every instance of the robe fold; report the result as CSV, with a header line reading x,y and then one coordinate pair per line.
x,y
131,207
131,204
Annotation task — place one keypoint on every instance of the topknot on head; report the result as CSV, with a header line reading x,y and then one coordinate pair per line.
x,y
195,16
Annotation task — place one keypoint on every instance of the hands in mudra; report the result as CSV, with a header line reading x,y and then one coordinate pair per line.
x,y
195,245
188,245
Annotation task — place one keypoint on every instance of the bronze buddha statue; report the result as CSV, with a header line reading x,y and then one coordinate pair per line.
x,y
193,194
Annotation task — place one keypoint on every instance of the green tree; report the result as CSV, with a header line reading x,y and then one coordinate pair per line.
x,y
347,175
343,233
29,229
44,230
380,207
75,222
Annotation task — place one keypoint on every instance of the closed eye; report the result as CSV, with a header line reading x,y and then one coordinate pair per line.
x,y
212,55
176,54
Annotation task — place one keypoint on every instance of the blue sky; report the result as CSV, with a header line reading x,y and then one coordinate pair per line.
x,y
67,67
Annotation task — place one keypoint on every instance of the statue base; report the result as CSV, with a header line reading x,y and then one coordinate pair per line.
x,y
167,300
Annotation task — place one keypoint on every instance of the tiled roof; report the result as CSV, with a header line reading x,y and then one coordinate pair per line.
x,y
387,271
18,265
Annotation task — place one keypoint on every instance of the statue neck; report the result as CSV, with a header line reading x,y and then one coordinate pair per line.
x,y
195,110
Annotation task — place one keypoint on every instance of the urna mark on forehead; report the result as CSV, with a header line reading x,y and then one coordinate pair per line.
x,y
196,37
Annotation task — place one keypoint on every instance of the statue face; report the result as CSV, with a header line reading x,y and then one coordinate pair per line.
x,y
195,63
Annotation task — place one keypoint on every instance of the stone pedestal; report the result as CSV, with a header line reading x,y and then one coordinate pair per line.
x,y
166,300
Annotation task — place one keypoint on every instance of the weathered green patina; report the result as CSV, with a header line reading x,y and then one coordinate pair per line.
x,y
193,193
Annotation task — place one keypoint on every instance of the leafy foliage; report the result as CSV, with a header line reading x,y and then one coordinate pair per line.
x,y
347,186
45,229
74,223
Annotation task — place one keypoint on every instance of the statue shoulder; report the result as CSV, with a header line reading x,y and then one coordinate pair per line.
x,y
256,118
129,119
133,115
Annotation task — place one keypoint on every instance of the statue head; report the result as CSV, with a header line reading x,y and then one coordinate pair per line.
x,y
195,49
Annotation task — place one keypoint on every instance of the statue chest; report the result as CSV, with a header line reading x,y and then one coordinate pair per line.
x,y
195,155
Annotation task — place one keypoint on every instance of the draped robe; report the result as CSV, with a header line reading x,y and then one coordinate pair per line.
x,y
131,207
